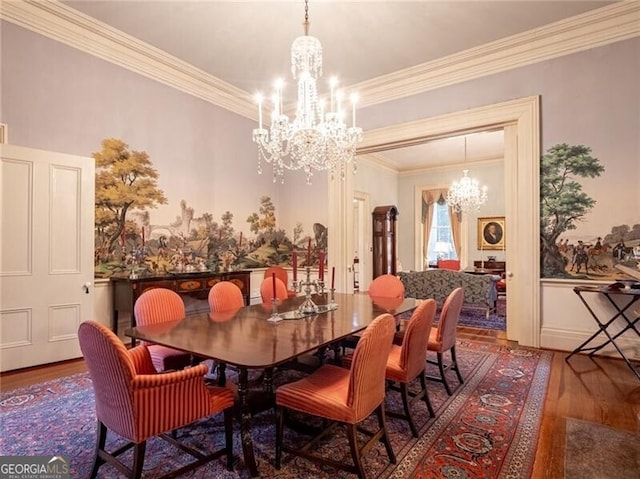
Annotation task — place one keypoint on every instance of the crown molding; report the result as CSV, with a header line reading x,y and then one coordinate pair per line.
x,y
71,27
609,24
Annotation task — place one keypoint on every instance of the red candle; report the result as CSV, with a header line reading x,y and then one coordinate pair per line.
x,y
273,280
333,277
143,236
309,253
240,242
321,261
294,261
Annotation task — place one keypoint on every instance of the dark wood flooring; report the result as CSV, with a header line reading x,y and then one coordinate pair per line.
x,y
600,390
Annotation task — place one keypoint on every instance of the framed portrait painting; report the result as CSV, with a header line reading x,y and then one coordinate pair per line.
x,y
491,233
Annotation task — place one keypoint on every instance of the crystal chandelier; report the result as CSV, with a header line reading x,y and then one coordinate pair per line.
x,y
466,195
318,138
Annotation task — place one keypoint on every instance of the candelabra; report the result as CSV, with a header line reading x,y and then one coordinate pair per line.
x,y
308,306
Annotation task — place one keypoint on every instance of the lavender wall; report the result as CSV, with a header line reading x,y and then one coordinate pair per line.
x,y
60,99
57,98
590,98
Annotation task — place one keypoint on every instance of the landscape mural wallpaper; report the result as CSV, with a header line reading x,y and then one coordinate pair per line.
x,y
564,206
128,240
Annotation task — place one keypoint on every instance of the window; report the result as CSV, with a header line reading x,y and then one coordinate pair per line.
x,y
440,240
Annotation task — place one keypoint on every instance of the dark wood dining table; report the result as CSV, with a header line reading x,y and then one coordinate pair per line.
x,y
247,340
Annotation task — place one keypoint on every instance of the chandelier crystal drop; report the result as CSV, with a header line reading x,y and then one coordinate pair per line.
x,y
466,195
318,139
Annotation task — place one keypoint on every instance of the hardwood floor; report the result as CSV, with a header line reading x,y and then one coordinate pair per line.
x,y
600,390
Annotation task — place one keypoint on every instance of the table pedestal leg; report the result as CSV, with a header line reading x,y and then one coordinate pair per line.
x,y
245,422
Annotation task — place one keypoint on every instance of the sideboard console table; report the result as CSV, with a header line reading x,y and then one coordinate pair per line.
x,y
193,287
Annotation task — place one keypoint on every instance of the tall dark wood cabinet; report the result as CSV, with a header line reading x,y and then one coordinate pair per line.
x,y
384,240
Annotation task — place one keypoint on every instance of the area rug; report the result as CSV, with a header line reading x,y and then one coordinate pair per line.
x,y
594,451
478,318
487,429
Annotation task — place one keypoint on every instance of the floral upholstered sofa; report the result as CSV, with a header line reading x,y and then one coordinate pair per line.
x,y
479,290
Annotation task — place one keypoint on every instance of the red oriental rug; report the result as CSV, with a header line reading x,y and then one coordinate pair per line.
x,y
487,429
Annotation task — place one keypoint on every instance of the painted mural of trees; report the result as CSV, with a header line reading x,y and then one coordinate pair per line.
x,y
563,203
125,180
265,220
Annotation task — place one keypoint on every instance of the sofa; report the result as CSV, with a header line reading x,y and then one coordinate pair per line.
x,y
479,289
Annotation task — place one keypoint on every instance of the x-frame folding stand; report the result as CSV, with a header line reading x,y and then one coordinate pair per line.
x,y
622,311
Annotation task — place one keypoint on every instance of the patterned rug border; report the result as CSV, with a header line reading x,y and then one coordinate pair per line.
x,y
519,460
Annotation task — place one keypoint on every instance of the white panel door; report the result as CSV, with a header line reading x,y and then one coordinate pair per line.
x,y
46,254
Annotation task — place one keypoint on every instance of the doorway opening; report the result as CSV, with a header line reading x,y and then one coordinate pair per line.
x,y
520,120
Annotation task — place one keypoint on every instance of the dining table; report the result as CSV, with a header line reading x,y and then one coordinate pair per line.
x,y
253,338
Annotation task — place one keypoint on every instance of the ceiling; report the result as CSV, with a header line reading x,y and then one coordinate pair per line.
x,y
247,43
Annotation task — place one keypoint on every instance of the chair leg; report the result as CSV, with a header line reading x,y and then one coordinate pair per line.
x,y
404,392
355,450
454,362
101,439
138,459
382,422
228,436
427,400
442,372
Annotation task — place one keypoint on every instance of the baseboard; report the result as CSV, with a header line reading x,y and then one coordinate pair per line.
x,y
567,340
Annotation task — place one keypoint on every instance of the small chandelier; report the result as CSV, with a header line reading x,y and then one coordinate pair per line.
x,y
466,195
318,138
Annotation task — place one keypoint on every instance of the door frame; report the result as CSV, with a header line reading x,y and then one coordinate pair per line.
x,y
520,119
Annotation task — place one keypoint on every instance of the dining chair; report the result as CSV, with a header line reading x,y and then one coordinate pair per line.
x,y
383,286
343,396
282,275
406,362
137,403
225,296
443,338
387,286
266,290
159,305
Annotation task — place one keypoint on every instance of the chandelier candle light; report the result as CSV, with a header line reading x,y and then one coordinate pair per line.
x,y
318,139
465,195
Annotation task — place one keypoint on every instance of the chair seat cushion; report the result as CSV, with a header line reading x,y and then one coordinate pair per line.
x,y
323,394
394,371
434,344
166,359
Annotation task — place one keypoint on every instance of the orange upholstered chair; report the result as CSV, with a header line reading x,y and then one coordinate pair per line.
x,y
225,296
346,396
135,402
387,286
407,361
266,290
383,286
443,338
155,306
453,264
282,275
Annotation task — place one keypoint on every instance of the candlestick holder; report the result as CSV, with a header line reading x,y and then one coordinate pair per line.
x,y
275,317
308,306
332,302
